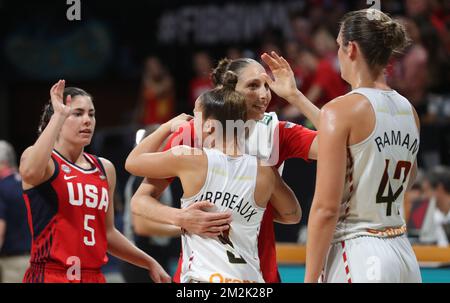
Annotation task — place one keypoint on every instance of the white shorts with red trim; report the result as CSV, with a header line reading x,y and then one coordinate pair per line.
x,y
371,260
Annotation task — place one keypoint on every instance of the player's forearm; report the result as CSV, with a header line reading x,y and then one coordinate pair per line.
x,y
321,227
120,247
37,159
151,143
151,209
305,106
146,227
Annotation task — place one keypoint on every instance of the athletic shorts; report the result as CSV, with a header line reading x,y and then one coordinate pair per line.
x,y
371,260
45,273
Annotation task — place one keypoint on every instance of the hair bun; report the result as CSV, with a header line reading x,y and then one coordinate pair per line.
x,y
229,80
218,73
395,37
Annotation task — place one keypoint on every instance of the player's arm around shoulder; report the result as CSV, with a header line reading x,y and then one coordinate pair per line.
x,y
150,217
166,164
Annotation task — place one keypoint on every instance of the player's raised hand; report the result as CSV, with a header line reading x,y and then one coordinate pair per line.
x,y
283,84
157,273
57,99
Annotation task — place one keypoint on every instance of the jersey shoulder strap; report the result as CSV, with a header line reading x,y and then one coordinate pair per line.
x,y
97,162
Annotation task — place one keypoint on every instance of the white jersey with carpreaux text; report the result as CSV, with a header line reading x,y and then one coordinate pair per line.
x,y
233,256
378,170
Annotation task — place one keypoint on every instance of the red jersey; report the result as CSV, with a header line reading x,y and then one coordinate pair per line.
x,y
67,218
330,82
294,142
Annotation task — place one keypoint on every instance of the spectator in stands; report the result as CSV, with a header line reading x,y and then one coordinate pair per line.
x,y
301,31
429,214
441,186
201,82
15,237
409,72
157,97
326,47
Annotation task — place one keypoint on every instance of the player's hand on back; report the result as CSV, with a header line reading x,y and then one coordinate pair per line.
x,y
57,99
157,273
197,220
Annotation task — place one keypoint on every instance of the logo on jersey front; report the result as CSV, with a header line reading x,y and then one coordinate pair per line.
x,y
66,177
289,125
266,119
89,195
65,169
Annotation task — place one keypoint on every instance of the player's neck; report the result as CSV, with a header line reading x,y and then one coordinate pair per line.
x,y
363,77
229,148
70,152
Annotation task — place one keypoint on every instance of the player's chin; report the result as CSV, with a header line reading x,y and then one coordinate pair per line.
x,y
85,140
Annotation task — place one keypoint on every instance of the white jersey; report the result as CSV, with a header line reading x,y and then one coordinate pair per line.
x,y
232,257
263,141
378,170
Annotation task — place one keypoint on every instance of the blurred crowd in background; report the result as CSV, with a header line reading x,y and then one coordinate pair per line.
x,y
147,62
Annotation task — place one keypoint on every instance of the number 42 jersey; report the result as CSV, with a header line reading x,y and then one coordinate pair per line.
x,y
378,170
67,216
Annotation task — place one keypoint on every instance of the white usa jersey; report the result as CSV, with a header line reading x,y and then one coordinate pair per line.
x,y
378,170
232,257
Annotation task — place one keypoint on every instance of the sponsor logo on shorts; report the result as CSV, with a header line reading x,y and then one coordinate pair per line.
x,y
221,278
388,232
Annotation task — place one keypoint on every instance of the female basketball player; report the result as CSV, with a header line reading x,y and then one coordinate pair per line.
x,y
69,197
288,140
367,150
231,180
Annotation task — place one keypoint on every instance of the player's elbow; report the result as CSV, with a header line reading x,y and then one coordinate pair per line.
x,y
131,166
135,206
326,212
291,216
138,226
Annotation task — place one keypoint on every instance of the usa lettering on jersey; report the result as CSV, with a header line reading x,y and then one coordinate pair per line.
x,y
89,195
